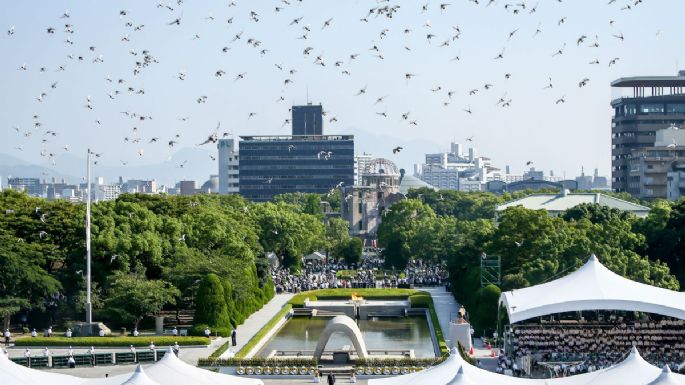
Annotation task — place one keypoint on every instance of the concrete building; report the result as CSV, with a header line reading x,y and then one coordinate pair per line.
x,y
655,102
187,187
105,192
133,186
301,162
31,186
228,160
649,166
361,166
307,120
273,165
211,186
557,204
675,181
363,205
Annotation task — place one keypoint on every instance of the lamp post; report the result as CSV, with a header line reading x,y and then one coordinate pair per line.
x,y
89,305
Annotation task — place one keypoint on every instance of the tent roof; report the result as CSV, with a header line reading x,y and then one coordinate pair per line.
x,y
15,374
315,255
563,202
455,371
591,287
139,378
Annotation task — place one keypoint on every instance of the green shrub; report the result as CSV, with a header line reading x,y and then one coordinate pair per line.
x,y
211,308
421,301
199,330
484,315
159,341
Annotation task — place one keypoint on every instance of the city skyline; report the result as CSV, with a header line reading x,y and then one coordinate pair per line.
x,y
418,80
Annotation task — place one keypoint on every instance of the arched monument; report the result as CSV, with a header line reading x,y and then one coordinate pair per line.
x,y
345,324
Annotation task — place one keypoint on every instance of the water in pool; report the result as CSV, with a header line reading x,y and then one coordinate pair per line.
x,y
302,333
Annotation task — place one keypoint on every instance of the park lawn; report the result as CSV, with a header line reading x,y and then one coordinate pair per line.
x,y
159,341
313,295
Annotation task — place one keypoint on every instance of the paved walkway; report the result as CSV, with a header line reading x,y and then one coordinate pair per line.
x,y
445,306
257,320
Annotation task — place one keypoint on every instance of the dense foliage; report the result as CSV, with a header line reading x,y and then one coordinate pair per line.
x,y
459,228
149,252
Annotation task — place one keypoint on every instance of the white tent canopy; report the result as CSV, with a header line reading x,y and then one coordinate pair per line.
x,y
315,256
168,371
455,371
15,374
592,287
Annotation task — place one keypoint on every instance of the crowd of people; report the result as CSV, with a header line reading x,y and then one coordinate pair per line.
x,y
370,273
594,346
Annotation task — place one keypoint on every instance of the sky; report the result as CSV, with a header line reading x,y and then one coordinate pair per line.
x,y
458,58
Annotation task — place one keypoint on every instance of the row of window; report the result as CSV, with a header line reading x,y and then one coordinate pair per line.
x,y
650,108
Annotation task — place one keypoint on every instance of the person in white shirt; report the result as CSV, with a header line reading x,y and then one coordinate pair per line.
x,y
71,362
208,332
152,346
91,351
132,349
7,337
135,332
27,355
49,331
68,333
101,333
34,333
46,352
174,331
176,348
70,352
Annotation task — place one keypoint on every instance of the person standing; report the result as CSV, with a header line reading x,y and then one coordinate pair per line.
x,y
7,337
34,334
208,332
174,332
331,379
234,338
27,355
176,348
70,352
71,362
91,351
49,331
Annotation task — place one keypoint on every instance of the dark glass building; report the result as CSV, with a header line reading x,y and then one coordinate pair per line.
x,y
656,102
307,120
273,165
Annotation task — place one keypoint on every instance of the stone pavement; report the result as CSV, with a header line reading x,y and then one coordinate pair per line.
x,y
257,320
446,307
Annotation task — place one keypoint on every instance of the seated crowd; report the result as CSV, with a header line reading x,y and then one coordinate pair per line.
x,y
368,275
595,345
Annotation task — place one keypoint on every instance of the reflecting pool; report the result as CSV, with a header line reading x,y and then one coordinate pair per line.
x,y
392,333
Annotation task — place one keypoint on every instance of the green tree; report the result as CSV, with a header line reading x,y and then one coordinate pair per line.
x,y
398,229
211,306
351,250
484,315
130,298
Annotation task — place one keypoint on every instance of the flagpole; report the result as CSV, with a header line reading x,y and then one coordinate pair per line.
x,y
89,306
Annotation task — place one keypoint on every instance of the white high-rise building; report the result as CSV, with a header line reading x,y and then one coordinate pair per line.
x,y
361,167
228,167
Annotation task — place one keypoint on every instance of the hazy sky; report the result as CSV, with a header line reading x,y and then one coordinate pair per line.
x,y
533,127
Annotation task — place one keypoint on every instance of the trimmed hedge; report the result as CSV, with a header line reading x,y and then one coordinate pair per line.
x,y
423,300
199,330
159,341
262,332
313,295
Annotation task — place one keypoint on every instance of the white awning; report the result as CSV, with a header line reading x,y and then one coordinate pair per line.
x,y
315,256
455,371
592,287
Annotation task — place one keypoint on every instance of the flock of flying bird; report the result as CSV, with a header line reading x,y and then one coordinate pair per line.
x,y
142,60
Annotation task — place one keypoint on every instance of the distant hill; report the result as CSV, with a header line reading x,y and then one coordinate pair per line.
x,y
196,162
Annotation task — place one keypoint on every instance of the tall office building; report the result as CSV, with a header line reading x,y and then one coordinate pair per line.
x,y
655,102
228,167
273,165
307,120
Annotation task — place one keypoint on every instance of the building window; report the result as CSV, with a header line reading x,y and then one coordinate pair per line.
x,y
360,208
361,225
